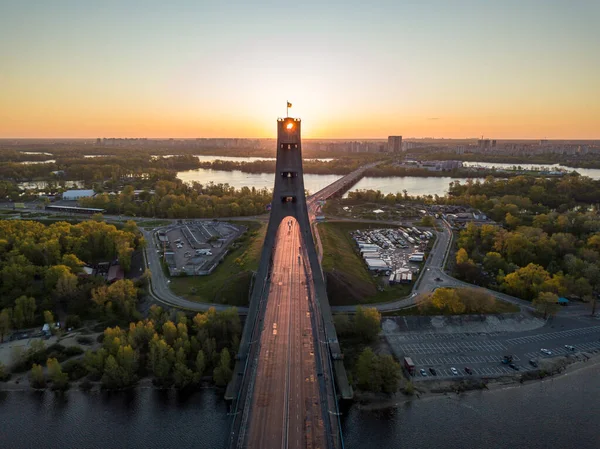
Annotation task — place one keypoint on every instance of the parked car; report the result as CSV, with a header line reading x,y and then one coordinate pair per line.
x,y
423,372
454,371
433,372
546,351
570,348
533,363
507,359
513,366
468,370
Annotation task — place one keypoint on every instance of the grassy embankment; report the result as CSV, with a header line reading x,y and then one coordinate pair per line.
x,y
348,279
230,282
153,223
499,307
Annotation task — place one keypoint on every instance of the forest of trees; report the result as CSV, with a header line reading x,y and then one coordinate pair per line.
x,y
368,371
41,267
180,353
90,170
176,199
549,241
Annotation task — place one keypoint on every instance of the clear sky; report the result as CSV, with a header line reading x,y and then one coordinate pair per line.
x,y
352,69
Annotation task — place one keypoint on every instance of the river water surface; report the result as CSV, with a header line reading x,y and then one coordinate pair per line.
x,y
557,413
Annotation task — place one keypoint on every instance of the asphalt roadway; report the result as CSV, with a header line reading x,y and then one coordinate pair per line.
x,y
285,406
434,276
160,289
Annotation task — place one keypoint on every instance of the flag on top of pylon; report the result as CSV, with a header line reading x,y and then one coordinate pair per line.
x,y
289,104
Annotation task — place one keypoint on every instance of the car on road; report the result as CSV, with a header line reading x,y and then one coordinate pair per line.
x,y
546,351
468,370
570,348
438,280
513,366
533,363
433,372
454,371
423,372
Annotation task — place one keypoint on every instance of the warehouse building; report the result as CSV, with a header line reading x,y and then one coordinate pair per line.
x,y
73,195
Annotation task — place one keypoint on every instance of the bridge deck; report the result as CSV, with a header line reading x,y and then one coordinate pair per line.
x,y
286,399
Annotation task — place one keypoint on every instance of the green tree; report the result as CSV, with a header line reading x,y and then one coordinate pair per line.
x,y
37,377
546,303
367,323
342,324
494,262
169,331
94,362
60,380
526,282
446,301
73,262
462,256
161,359
54,274
127,359
367,375
5,323
66,287
389,372
24,311
222,373
183,377
200,363
112,374
140,334
512,221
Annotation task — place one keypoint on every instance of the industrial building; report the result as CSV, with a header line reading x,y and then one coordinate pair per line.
x,y
73,195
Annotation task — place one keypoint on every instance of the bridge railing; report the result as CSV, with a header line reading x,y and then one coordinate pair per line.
x,y
323,359
244,397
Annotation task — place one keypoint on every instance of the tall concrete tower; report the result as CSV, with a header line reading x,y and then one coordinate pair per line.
x,y
289,199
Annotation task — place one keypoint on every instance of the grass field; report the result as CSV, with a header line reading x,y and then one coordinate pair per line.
x,y
348,279
154,223
230,282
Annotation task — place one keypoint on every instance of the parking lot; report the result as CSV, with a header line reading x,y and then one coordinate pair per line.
x,y
196,247
483,353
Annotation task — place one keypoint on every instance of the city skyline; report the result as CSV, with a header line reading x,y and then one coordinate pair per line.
x,y
519,70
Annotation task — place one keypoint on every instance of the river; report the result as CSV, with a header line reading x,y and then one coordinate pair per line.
x,y
238,179
413,184
560,413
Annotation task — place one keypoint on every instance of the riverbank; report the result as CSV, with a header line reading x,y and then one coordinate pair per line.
x,y
549,369
21,383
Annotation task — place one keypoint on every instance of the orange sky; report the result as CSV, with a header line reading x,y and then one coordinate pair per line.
x,y
363,71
